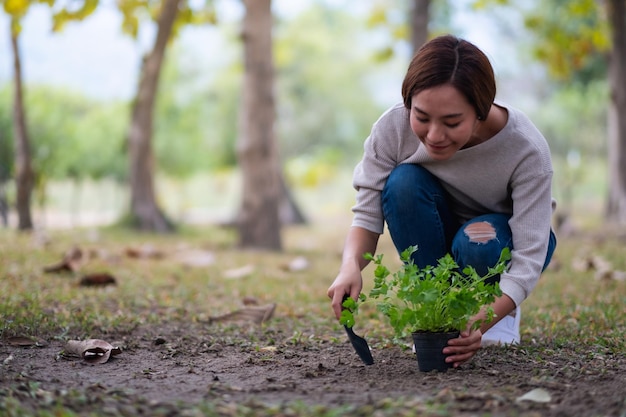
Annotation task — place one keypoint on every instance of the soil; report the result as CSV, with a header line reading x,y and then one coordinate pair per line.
x,y
165,370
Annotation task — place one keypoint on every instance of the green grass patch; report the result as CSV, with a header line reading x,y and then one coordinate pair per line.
x,y
570,310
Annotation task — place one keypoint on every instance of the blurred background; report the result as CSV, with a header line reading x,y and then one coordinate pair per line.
x,y
111,113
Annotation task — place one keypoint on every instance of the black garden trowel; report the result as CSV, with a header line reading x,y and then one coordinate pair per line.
x,y
360,345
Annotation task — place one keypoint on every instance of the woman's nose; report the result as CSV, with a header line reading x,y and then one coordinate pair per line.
x,y
435,134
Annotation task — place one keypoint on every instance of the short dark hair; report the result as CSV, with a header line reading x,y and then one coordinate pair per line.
x,y
450,60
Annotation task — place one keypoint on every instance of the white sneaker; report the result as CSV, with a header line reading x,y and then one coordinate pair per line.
x,y
504,332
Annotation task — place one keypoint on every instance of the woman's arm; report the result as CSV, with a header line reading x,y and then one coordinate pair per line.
x,y
349,280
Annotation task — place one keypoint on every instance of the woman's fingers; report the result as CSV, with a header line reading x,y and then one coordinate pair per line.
x,y
337,304
460,356
463,348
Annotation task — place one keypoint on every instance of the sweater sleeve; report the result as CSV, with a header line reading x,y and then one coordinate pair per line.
x,y
531,194
530,227
380,157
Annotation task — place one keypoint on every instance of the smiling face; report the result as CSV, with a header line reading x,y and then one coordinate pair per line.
x,y
443,120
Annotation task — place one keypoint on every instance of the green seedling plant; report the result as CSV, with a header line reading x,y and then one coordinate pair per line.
x,y
437,298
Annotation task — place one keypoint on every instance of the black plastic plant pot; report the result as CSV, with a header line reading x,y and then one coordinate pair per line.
x,y
429,350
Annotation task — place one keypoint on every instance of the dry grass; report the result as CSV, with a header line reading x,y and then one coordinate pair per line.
x,y
569,307
156,286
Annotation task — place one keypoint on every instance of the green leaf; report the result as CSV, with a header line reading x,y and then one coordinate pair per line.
x,y
436,298
349,304
346,318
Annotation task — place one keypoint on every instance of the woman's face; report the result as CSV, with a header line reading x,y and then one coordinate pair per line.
x,y
443,120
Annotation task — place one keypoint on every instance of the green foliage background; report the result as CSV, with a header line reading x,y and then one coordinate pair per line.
x,y
328,91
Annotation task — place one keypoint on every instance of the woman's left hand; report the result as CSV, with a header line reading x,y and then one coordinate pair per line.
x,y
464,347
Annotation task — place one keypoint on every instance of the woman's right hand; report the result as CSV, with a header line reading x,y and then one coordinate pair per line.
x,y
349,281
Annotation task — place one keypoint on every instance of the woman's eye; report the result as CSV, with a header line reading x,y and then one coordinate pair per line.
x,y
453,124
421,120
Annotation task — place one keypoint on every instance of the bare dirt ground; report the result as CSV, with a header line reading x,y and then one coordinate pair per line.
x,y
303,365
176,368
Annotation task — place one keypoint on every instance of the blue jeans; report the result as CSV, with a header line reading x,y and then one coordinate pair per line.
x,y
417,212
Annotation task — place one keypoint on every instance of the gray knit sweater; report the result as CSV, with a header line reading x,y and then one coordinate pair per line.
x,y
510,173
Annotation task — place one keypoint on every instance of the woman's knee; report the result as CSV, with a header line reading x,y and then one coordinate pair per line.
x,y
479,242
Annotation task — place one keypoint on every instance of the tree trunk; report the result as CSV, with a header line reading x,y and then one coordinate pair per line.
x,y
288,210
616,207
24,176
419,23
258,222
4,207
145,213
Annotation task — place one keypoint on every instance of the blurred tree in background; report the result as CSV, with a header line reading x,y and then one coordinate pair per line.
x,y
329,66
24,173
616,206
326,105
6,158
73,138
411,22
170,16
145,214
583,42
22,163
258,221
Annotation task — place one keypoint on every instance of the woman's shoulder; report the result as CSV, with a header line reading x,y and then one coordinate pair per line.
x,y
524,140
397,113
520,124
392,135
393,122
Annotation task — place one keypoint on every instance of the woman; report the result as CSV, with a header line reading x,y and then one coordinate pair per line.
x,y
452,171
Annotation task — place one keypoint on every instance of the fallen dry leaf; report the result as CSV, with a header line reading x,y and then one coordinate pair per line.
x,y
537,395
21,341
250,301
144,252
26,341
238,273
70,263
105,255
94,351
589,262
619,275
297,264
446,395
602,267
610,274
196,258
99,279
253,314
601,263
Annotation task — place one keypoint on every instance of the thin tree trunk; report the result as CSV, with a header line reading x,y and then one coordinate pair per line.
x,y
4,207
145,213
258,221
24,176
419,23
616,207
